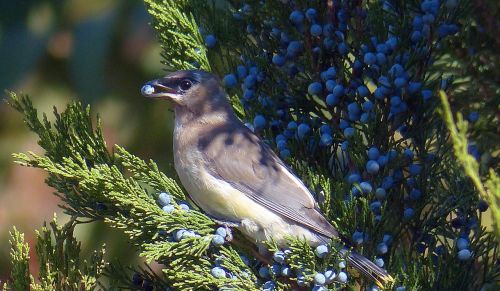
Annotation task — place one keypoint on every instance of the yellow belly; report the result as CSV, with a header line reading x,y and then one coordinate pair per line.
x,y
220,200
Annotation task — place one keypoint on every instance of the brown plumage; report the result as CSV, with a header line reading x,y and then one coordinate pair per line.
x,y
234,176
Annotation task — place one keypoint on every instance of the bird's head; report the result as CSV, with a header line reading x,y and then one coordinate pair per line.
x,y
193,88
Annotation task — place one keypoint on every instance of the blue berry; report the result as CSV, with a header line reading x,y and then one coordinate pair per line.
x,y
330,84
414,87
230,81
221,231
315,88
370,58
372,167
168,208
269,286
395,100
344,145
292,125
316,30
281,145
387,239
147,90
325,129
326,139
331,73
367,105
349,132
286,271
279,257
302,130
387,182
416,36
184,206
264,272
414,169
366,187
415,194
285,154
382,248
338,90
342,277
210,41
241,71
278,60
382,160
379,262
473,116
464,255
462,243
408,213
358,237
353,108
294,48
218,272
275,269
259,122
319,279
164,198
218,240
301,280
248,94
363,91
401,288
400,82
380,93
380,193
342,48
330,275
179,234
381,59
482,205
297,17
426,94
250,81
250,29
321,251
311,14
408,153
353,178
332,99
373,153
375,207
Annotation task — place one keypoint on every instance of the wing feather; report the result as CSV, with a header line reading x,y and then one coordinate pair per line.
x,y
235,155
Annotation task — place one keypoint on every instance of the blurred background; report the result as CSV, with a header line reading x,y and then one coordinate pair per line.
x,y
99,52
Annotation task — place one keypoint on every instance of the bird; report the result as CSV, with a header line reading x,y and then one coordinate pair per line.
x,y
235,177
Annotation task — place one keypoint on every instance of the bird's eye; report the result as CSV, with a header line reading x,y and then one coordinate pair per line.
x,y
185,84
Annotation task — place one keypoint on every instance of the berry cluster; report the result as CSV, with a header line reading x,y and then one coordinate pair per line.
x,y
351,94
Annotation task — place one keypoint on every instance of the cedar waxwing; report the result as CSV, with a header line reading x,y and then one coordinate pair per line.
x,y
235,177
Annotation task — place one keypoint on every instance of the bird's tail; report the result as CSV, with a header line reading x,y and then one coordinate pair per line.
x,y
368,268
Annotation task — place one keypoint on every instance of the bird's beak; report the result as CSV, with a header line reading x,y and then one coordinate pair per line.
x,y
155,89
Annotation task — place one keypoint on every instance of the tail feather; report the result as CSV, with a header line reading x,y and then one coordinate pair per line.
x,y
368,268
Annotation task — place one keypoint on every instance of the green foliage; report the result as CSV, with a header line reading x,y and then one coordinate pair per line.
x,y
59,257
19,256
490,188
178,32
94,185
120,188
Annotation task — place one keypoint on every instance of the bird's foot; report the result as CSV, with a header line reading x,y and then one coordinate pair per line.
x,y
227,226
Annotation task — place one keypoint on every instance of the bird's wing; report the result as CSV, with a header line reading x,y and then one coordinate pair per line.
x,y
234,154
